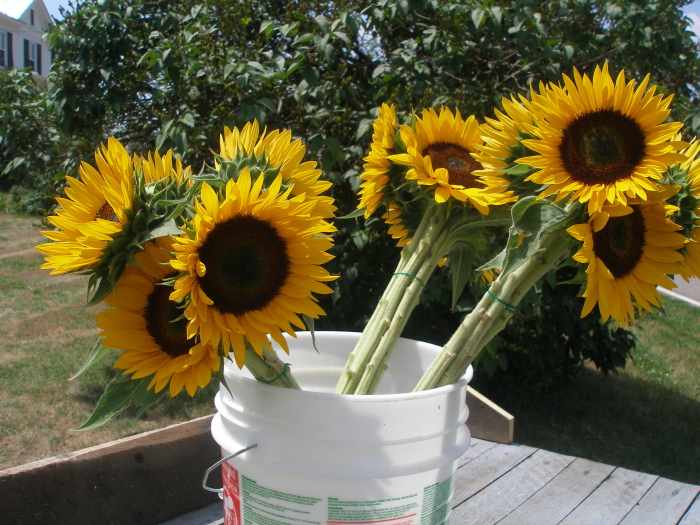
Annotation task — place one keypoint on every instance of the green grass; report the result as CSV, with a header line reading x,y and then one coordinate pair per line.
x,y
645,418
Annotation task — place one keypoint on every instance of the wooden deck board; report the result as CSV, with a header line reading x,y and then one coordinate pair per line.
x,y
612,500
507,493
488,467
561,495
664,504
692,517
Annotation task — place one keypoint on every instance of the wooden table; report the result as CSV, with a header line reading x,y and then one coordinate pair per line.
x,y
521,485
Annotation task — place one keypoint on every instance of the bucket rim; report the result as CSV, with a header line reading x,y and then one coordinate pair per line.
x,y
371,398
232,372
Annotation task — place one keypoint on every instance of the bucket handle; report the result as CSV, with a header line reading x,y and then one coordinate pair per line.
x,y
222,460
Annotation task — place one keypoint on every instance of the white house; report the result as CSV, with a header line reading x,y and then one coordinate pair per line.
x,y
23,24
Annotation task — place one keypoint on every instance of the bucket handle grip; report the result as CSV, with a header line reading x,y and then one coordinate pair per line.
x,y
223,460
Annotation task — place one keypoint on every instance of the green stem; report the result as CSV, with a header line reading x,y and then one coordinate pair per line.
x,y
403,288
491,314
269,368
379,359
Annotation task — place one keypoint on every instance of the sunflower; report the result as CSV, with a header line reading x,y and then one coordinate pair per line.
x,y
142,323
376,167
690,265
629,250
253,265
438,153
94,211
279,152
601,141
157,168
502,137
397,229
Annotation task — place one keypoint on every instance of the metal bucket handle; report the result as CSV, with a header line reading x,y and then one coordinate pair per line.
x,y
222,460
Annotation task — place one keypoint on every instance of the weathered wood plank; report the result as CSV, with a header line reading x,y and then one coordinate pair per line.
x,y
476,448
488,467
508,492
612,500
561,495
139,480
665,503
487,420
692,517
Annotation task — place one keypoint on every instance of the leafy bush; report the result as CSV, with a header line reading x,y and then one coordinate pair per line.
x,y
31,151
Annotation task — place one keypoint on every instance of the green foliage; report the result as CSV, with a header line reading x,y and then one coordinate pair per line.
x,y
30,148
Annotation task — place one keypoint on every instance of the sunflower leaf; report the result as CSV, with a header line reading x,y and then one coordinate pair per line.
x,y
145,397
219,376
352,215
460,257
309,322
164,230
97,353
104,288
116,398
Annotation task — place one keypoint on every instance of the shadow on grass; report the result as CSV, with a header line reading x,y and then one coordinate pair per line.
x,y
616,419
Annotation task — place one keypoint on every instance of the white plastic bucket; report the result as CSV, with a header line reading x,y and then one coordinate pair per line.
x,y
327,459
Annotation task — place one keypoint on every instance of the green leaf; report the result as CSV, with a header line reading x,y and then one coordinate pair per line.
x,y
518,169
460,266
309,322
266,27
104,288
97,353
352,215
360,239
477,17
219,375
145,397
188,120
267,103
116,398
534,216
169,228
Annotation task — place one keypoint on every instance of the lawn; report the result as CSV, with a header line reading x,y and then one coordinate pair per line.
x,y
645,418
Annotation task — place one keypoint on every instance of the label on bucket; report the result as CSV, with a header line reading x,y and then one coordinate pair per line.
x,y
262,505
232,495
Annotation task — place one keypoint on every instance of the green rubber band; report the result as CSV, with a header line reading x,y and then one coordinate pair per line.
x,y
416,278
509,307
284,373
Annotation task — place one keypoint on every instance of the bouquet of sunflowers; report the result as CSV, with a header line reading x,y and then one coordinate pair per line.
x,y
198,269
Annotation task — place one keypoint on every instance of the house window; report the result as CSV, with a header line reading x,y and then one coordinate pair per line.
x,y
3,50
31,15
32,56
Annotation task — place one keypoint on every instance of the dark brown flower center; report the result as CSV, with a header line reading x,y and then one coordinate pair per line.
x,y
160,314
602,147
457,161
620,244
246,262
107,213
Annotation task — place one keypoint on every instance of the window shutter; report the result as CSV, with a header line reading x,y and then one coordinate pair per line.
x,y
10,58
38,58
26,53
